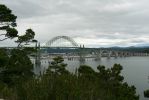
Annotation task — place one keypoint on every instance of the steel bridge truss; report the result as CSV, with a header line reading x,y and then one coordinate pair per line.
x,y
55,39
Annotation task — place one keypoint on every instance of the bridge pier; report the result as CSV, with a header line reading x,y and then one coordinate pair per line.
x,y
98,54
37,60
81,54
116,54
109,55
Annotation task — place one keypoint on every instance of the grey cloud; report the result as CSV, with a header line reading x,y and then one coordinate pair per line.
x,y
25,8
93,19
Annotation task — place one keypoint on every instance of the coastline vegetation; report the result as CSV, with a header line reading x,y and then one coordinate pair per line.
x,y
60,84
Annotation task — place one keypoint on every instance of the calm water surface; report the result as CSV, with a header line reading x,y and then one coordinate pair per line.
x,y
135,69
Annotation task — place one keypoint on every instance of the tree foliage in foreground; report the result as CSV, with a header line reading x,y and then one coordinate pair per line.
x,y
16,68
7,23
146,93
26,38
85,84
7,27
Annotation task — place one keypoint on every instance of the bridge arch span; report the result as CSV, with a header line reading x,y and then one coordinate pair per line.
x,y
67,38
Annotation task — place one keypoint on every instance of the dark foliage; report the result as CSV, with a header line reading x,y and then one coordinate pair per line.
x,y
146,93
86,84
7,22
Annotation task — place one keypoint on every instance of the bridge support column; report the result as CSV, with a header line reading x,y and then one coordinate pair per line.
x,y
37,60
116,54
98,55
81,54
109,54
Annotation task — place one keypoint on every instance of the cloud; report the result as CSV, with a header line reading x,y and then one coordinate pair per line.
x,y
90,22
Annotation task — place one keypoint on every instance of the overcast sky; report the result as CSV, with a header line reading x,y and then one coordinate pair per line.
x,y
95,23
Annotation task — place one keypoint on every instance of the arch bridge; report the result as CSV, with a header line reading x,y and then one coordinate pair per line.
x,y
67,42
83,52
